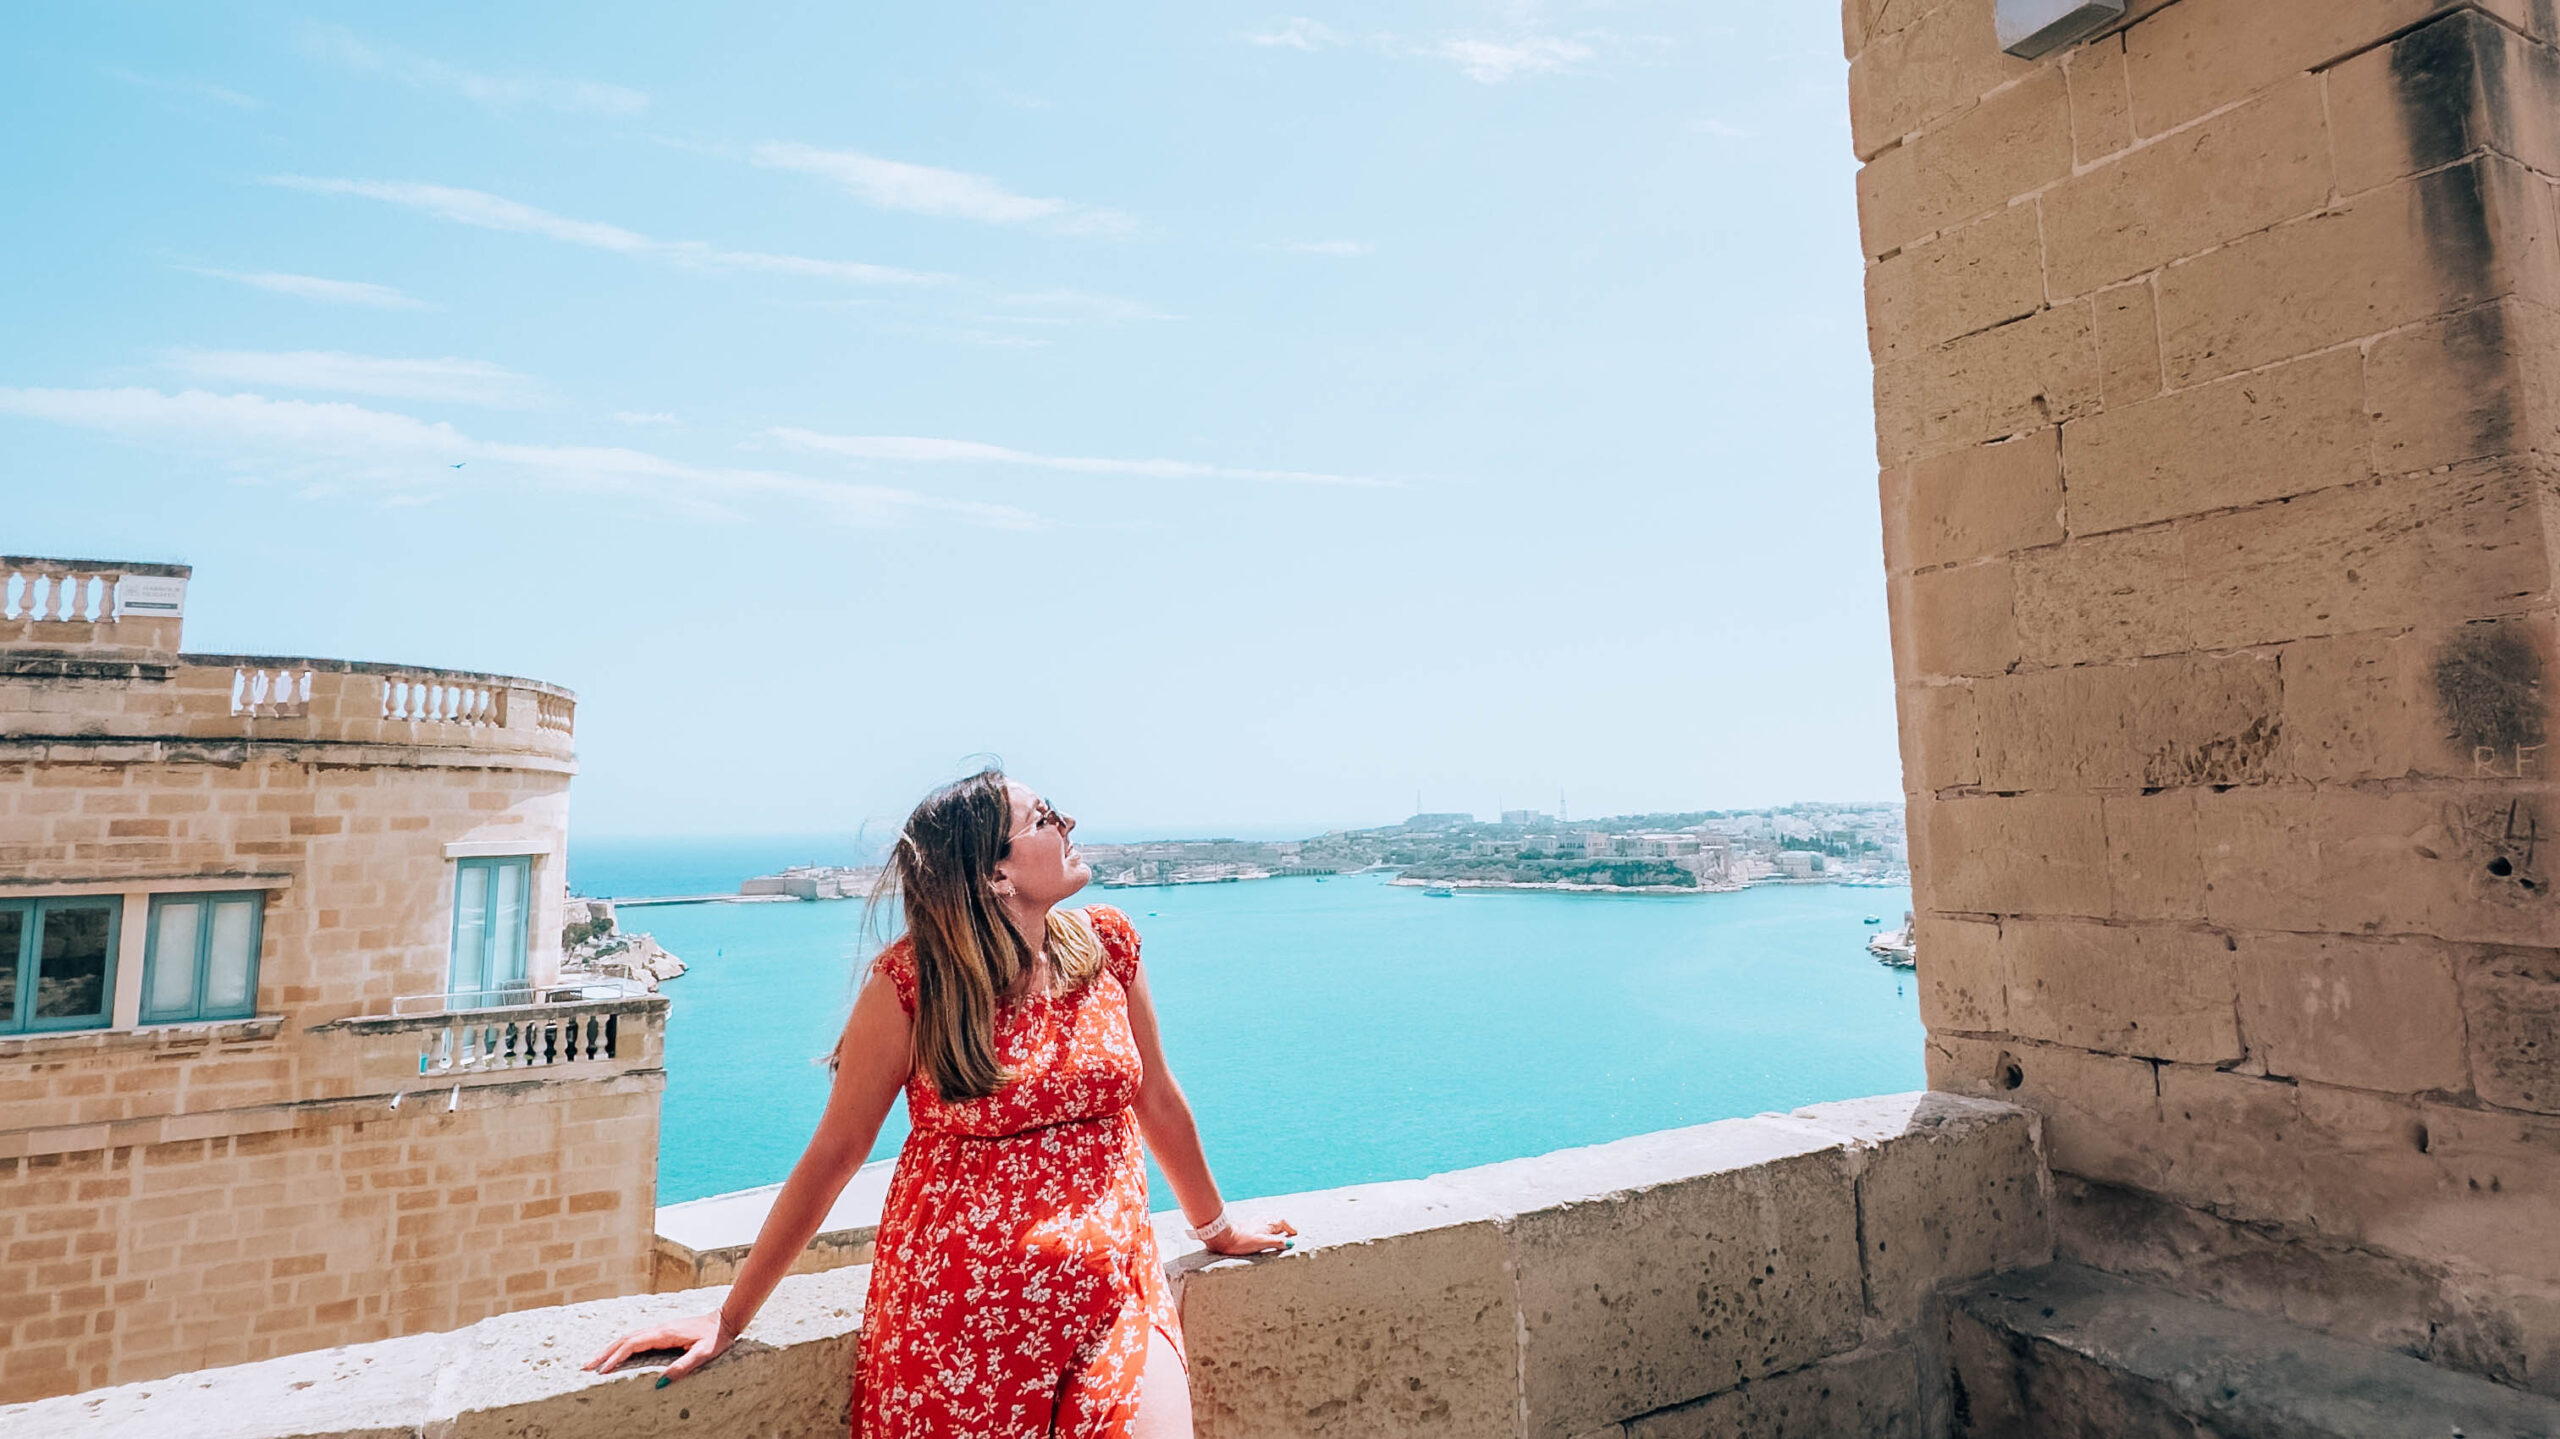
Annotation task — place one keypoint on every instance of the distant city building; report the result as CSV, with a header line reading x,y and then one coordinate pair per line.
x,y
1524,816
815,881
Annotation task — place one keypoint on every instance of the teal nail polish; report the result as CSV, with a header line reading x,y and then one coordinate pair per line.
x,y
664,1381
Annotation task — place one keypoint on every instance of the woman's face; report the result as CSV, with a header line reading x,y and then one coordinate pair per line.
x,y
1041,862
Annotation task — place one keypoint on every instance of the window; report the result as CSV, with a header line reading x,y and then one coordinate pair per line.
x,y
200,960
57,962
489,923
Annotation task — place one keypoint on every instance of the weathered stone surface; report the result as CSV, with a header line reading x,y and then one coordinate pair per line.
x,y
2444,546
2511,1014
2371,1013
2451,863
2154,869
1959,1190
1941,737
2100,1111
2444,90
1962,972
2349,708
2157,724
2198,55
2443,241
2151,991
2240,172
1765,1279
2283,431
1986,273
2447,391
1960,620
1871,1393
2101,107
2007,380
1938,61
1973,503
2067,1350
2128,343
2017,854
2008,146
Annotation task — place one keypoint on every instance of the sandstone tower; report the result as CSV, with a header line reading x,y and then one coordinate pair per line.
x,y
2215,365
275,1067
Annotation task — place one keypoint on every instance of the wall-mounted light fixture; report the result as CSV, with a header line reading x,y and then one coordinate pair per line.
x,y
2033,29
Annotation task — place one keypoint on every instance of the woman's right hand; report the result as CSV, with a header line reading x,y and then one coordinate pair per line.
x,y
702,1337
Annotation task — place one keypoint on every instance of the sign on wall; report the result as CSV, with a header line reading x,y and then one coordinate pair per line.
x,y
155,596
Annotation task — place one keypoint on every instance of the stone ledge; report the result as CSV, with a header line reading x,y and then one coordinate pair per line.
x,y
1627,1284
195,1034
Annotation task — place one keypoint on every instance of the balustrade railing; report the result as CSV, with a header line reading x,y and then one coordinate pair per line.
x,y
555,713
433,699
474,1043
37,590
281,693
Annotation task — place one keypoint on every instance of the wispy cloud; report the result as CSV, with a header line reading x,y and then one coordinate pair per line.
x,y
404,458
1340,249
1299,33
644,417
193,89
341,46
496,212
312,287
918,449
1721,129
1492,61
469,382
929,190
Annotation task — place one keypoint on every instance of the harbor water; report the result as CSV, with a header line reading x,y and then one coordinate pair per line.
x,y
1344,1030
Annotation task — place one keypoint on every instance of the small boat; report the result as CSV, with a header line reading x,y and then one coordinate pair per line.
x,y
1875,919
1438,891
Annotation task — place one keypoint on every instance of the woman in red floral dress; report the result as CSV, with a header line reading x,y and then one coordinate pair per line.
x,y
1017,1291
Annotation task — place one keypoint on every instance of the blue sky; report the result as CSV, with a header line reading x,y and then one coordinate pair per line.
x,y
1235,417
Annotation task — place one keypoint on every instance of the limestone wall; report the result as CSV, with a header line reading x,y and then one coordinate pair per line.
x,y
1756,1277
2214,367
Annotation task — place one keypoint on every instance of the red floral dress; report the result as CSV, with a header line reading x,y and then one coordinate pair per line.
x,y
1017,1280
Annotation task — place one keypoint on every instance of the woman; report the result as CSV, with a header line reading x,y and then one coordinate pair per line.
x,y
1017,1290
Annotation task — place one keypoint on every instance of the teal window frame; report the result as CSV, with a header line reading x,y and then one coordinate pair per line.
x,y
487,995
21,1017
202,959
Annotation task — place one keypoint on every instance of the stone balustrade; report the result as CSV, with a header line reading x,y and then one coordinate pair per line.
x,y
286,700
1766,1276
72,606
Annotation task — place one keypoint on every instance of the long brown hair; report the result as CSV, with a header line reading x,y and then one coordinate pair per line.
x,y
969,956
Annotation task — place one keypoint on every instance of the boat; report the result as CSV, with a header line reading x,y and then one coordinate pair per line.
x,y
1875,919
1893,948
1438,891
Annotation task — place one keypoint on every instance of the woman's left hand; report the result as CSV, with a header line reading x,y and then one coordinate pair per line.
x,y
1258,1236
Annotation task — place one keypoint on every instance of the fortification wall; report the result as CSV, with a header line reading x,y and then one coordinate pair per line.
x,y
2214,375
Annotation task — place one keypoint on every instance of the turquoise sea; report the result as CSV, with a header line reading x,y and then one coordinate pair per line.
x,y
1338,1031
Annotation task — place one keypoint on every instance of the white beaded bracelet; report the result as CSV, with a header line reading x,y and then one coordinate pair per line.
x,y
1215,1227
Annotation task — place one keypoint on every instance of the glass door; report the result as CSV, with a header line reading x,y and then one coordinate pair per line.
x,y
490,915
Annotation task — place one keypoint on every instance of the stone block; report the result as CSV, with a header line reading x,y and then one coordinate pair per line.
x,y
1963,974
1683,1289
2235,174
1873,1393
2150,991
1956,1191
1956,621
2452,390
2511,1027
2017,854
2155,870
2443,241
1983,274
2350,708
2128,343
1414,1336
1940,736
2199,55
2009,146
2164,723
2266,435
1939,61
2012,379
2100,1112
2458,864
2451,88
1972,503
2370,1013
2101,107
2442,546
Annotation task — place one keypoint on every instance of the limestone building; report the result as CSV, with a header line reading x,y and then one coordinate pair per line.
x,y
275,1069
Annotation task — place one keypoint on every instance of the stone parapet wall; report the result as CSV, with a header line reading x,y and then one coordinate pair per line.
x,y
1754,1277
2215,404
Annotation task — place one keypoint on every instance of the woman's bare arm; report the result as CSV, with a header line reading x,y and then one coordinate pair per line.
x,y
1173,1136
872,1060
